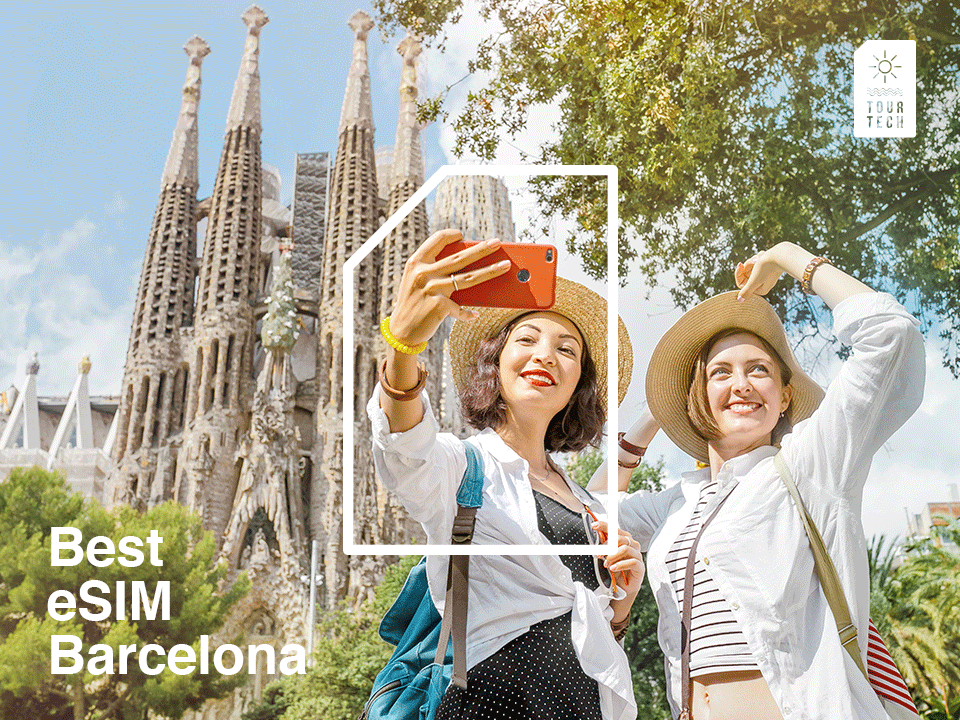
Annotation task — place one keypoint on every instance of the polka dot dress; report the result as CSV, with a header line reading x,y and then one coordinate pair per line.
x,y
536,675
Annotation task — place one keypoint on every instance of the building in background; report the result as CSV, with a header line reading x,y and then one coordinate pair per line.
x,y
231,398
72,435
934,514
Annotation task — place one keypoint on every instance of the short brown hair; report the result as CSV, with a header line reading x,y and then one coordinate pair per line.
x,y
698,407
579,424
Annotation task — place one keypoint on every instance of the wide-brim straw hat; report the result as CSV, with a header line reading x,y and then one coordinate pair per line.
x,y
668,375
580,305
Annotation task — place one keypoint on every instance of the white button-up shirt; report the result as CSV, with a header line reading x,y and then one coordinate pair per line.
x,y
756,545
508,594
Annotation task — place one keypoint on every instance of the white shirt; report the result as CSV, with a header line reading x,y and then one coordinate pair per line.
x,y
756,548
508,594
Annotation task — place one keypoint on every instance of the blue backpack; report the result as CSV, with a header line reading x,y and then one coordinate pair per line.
x,y
427,658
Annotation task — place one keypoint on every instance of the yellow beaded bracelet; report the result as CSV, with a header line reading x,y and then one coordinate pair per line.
x,y
396,344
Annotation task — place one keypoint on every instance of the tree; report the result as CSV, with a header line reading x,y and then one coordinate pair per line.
x,y
350,651
31,503
916,608
347,658
731,126
641,645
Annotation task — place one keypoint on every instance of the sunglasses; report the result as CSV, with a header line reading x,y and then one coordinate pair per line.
x,y
598,537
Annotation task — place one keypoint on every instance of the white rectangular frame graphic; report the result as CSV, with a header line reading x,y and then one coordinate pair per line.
x,y
613,284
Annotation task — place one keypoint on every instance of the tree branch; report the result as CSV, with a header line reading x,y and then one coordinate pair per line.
x,y
890,211
945,38
934,177
119,699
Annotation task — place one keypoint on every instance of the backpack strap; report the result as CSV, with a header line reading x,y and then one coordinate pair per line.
x,y
826,571
469,498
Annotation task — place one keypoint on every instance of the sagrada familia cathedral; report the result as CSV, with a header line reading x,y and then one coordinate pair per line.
x,y
231,399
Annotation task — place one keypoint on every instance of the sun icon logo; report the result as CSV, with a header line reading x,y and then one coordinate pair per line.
x,y
885,67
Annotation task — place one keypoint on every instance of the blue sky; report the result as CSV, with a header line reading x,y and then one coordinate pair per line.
x,y
91,96
91,100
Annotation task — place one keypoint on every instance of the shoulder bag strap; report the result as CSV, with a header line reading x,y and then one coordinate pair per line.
x,y
469,498
686,616
826,571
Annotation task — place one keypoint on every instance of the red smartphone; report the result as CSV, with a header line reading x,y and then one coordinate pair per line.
x,y
529,284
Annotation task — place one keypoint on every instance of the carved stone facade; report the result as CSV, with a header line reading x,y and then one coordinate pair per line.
x,y
353,217
156,381
231,400
477,204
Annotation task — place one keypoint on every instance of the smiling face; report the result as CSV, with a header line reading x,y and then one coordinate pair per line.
x,y
540,364
745,393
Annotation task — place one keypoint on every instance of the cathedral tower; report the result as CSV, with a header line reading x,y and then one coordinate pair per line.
x,y
406,177
220,356
352,218
155,381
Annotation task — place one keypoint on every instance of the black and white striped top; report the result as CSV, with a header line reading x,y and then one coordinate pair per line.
x,y
716,642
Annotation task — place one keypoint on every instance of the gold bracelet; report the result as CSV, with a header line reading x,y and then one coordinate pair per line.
x,y
807,279
403,395
396,344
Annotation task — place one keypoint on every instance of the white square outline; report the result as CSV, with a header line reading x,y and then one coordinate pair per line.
x,y
613,284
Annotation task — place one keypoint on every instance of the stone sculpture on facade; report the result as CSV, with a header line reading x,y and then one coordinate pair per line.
x,y
231,399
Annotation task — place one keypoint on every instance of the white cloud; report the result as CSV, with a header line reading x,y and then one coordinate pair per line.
x,y
116,209
921,459
448,69
69,240
117,205
48,305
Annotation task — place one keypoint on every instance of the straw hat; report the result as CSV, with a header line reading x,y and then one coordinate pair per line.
x,y
668,375
583,307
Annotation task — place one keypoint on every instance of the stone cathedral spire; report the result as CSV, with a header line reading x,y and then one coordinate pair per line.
x,y
152,401
352,218
231,252
406,177
221,354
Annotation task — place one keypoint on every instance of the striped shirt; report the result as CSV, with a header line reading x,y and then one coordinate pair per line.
x,y
716,642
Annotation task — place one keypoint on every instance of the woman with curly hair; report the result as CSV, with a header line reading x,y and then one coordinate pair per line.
x,y
541,628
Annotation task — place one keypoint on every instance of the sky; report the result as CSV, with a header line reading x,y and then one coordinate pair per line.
x,y
91,101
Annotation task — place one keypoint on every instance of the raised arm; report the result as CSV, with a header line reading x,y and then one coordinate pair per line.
x,y
640,434
759,274
879,385
423,302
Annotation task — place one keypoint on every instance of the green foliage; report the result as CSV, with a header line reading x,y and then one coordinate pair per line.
x,y
347,658
33,501
940,708
275,701
916,608
644,477
641,645
730,124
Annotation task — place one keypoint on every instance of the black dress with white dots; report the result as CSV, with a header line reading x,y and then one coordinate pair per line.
x,y
536,675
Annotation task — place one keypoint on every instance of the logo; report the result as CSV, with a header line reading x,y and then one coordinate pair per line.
x,y
885,89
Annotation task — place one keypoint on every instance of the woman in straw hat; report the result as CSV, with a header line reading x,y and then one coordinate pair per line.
x,y
539,637
725,387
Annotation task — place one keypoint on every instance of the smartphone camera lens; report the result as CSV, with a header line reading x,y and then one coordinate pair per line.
x,y
549,254
523,275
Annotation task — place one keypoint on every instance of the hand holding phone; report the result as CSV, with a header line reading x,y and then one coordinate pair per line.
x,y
530,283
